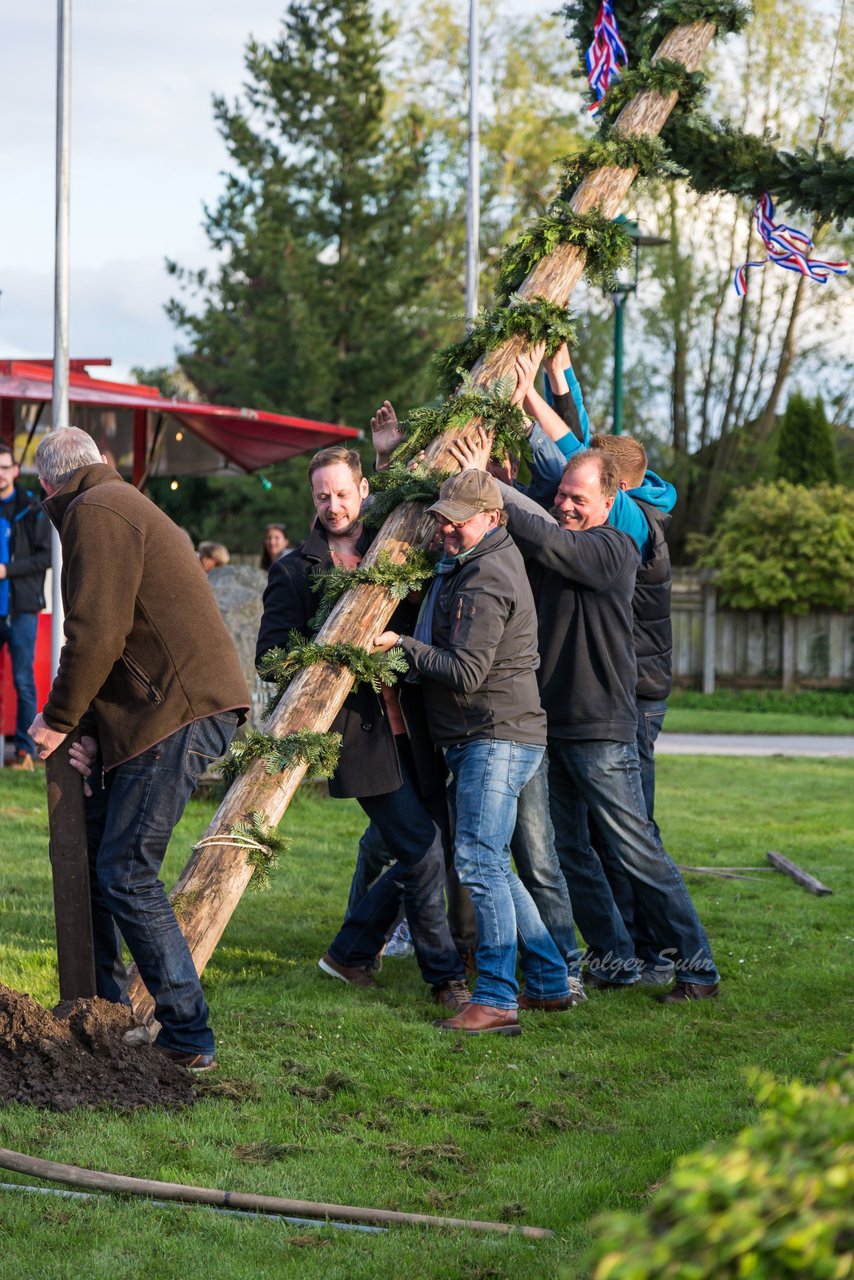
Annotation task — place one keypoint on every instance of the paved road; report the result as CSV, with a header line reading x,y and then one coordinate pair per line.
x,y
752,744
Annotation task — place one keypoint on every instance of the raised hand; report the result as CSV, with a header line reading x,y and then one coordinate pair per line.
x,y
385,433
472,451
527,365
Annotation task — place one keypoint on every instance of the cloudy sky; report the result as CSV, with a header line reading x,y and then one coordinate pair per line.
x,y
145,157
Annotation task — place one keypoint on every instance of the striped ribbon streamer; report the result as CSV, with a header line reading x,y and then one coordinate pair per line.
x,y
604,54
787,248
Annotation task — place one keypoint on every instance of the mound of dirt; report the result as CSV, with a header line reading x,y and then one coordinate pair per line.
x,y
74,1057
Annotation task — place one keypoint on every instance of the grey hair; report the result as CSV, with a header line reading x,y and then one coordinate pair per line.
x,y
64,451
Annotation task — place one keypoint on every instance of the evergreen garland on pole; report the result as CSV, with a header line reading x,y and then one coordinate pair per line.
x,y
376,669
506,422
713,155
400,483
537,320
399,579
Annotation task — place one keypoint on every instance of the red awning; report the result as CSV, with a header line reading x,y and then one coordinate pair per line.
x,y
138,419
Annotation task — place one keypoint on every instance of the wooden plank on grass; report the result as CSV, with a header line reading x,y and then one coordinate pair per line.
x,y
797,873
69,862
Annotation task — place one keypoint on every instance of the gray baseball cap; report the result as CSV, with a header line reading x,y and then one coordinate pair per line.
x,y
467,495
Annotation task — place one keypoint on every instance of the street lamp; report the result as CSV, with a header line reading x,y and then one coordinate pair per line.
x,y
627,282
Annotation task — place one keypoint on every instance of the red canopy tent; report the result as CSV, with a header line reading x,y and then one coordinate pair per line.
x,y
144,433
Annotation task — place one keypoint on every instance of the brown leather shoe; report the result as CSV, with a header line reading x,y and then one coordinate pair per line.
x,y
23,763
357,977
455,995
683,991
477,1019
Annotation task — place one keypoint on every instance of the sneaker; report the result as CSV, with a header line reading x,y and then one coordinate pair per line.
x,y
353,974
455,995
399,945
577,994
192,1061
657,975
23,763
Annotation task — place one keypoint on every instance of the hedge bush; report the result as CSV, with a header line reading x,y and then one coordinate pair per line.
x,y
784,546
775,1204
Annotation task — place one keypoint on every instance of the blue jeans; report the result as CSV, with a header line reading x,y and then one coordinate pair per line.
x,y
602,779
650,719
129,821
488,776
414,836
19,633
533,850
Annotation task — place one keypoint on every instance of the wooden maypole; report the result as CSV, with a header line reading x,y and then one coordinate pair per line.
x,y
210,886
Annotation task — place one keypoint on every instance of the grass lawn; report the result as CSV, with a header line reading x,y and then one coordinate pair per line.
x,y
585,1112
809,711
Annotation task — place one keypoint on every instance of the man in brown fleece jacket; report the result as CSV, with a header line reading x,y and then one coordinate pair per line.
x,y
150,675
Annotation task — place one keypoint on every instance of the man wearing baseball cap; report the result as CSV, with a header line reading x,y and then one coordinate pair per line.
x,y
475,649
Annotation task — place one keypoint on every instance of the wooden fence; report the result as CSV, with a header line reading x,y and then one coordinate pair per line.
x,y
746,646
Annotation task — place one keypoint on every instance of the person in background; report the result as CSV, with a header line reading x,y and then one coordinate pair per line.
x,y
275,544
24,558
212,555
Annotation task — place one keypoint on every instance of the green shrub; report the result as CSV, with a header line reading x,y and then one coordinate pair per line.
x,y
784,546
776,1203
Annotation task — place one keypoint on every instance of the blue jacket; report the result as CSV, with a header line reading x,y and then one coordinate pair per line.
x,y
549,459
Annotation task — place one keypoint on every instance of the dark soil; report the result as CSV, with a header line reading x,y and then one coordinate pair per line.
x,y
74,1057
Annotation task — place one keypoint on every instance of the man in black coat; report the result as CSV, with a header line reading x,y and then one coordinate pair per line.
x,y
387,760
24,558
583,572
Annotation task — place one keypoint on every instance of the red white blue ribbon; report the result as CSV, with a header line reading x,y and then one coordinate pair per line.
x,y
787,248
604,55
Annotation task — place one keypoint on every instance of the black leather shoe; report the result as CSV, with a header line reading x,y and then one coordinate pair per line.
x,y
602,984
683,991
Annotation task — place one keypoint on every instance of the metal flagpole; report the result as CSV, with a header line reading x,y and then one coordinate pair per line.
x,y
59,416
473,188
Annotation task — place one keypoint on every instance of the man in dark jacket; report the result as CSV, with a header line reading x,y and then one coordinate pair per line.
x,y
475,649
149,673
583,570
24,558
387,760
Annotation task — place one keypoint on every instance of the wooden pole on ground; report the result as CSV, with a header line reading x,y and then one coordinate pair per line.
x,y
69,860
797,873
214,879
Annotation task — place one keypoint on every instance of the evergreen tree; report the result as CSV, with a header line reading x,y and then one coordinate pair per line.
x,y
318,307
806,449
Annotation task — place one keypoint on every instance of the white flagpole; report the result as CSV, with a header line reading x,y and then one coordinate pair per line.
x,y
59,416
473,188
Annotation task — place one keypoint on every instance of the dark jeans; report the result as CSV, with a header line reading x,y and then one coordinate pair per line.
x,y
533,850
373,857
19,633
129,821
650,719
602,779
414,836
371,861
